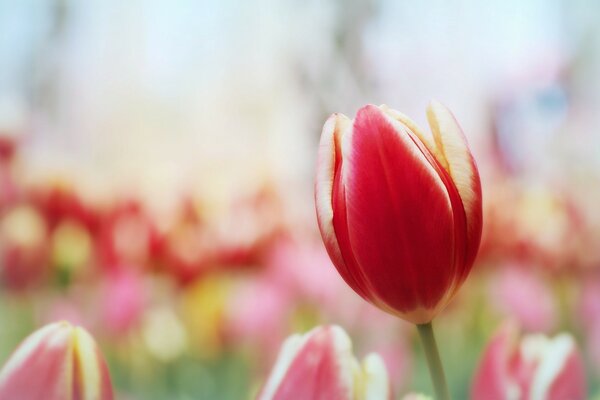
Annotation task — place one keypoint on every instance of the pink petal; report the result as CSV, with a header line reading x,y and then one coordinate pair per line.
x,y
40,367
491,379
310,367
57,362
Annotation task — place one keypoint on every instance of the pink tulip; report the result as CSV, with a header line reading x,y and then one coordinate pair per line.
x,y
320,365
533,368
519,292
57,362
257,313
399,209
124,298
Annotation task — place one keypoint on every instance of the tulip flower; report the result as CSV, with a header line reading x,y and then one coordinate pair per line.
x,y
57,362
320,365
23,248
399,209
534,367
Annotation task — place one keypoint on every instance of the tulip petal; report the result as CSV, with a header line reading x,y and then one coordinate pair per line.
x,y
328,177
491,381
535,367
560,373
57,362
387,178
376,384
454,154
92,380
39,367
313,366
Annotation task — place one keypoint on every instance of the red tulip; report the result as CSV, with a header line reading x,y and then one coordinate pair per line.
x,y
532,368
320,365
399,210
23,248
57,362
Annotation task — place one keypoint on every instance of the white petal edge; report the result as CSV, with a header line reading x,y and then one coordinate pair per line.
x,y
399,128
289,349
55,335
554,354
453,149
376,381
325,176
87,354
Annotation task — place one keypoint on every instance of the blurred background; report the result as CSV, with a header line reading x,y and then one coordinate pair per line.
x,y
157,160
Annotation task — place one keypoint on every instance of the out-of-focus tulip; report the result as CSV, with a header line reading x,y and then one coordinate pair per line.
x,y
189,248
203,306
23,248
128,236
124,299
164,334
70,248
320,365
7,148
399,209
58,201
57,362
303,269
532,368
257,313
517,291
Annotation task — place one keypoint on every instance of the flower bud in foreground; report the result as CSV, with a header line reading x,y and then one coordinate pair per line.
x,y
399,209
57,362
534,367
320,365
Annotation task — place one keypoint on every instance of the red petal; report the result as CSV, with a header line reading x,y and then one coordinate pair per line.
x,y
460,164
400,218
327,198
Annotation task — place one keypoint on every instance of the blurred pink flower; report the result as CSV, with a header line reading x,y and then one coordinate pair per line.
x,y
257,312
128,236
23,248
533,367
123,300
306,270
57,362
519,293
397,356
320,365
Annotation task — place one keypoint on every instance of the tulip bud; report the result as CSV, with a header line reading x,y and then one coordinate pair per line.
x,y
57,362
399,210
532,368
320,365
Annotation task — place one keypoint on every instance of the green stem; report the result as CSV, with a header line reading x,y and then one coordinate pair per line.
x,y
433,361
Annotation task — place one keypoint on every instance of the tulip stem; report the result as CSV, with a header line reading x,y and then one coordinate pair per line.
x,y
433,361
